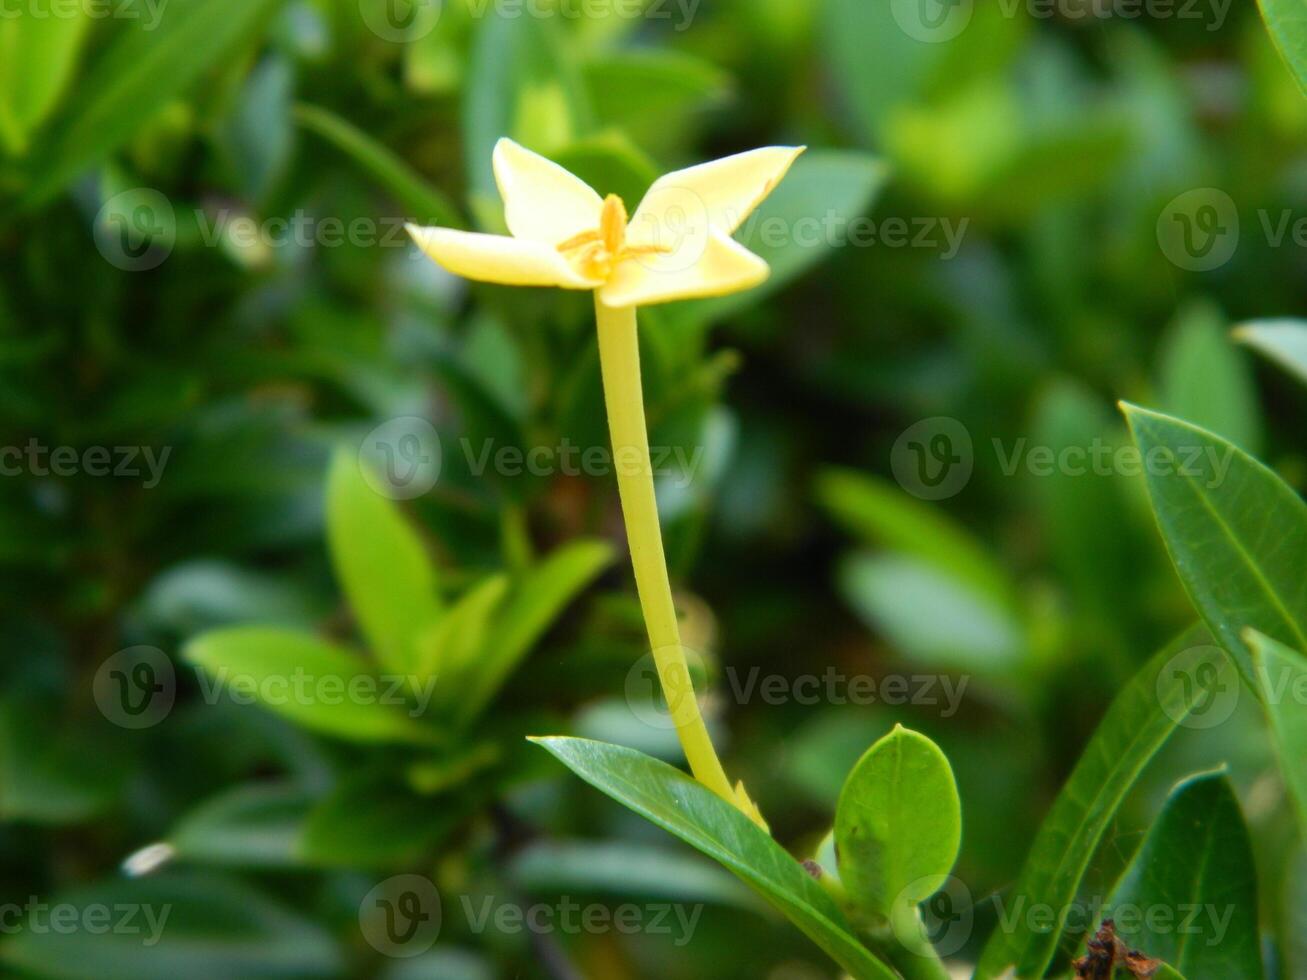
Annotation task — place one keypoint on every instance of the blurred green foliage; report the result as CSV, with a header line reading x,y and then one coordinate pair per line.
x,y
206,292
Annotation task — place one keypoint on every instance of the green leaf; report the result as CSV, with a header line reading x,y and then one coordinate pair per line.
x,y
423,202
183,925
382,565
898,825
1282,680
48,774
1139,722
931,616
650,93
1206,381
451,651
144,68
1195,867
1287,22
692,812
315,684
1282,341
813,206
520,83
536,601
369,821
257,825
1220,512
880,513
37,58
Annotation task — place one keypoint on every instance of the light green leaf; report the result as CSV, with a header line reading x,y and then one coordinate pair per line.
x,y
898,825
450,651
1205,379
1139,722
692,812
1197,856
382,565
823,192
185,925
1282,341
520,83
535,602
650,93
880,513
144,68
256,825
1282,680
1236,532
37,58
931,616
313,683
1287,22
423,202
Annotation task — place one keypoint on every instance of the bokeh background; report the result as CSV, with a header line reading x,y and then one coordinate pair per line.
x,y
1011,215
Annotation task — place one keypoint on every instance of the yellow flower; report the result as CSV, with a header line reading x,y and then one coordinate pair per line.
x,y
677,245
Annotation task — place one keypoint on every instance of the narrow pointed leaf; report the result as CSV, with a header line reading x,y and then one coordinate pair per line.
x,y
1140,720
1189,896
1282,678
1236,532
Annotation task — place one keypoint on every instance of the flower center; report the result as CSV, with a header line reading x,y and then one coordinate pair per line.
x,y
597,251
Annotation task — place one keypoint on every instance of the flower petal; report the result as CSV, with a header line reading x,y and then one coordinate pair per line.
x,y
722,266
498,258
543,201
720,194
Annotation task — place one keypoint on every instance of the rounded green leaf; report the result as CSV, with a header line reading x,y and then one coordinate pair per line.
x,y
898,825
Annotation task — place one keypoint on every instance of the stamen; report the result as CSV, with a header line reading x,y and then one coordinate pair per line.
x,y
576,241
612,223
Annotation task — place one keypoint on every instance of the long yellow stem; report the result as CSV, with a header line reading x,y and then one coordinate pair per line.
x,y
619,359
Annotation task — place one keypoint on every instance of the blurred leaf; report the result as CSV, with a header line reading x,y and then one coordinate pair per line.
x,y
1205,380
624,870
522,84
183,925
1084,513
898,825
423,202
1282,341
1282,681
48,775
255,825
800,222
368,821
880,513
692,812
931,615
451,651
1287,22
1197,856
142,70
650,93
313,683
382,565
536,600
258,134
38,55
611,164
1218,509
203,594
1139,722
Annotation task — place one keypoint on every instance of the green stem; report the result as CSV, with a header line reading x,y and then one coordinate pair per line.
x,y
619,360
910,950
